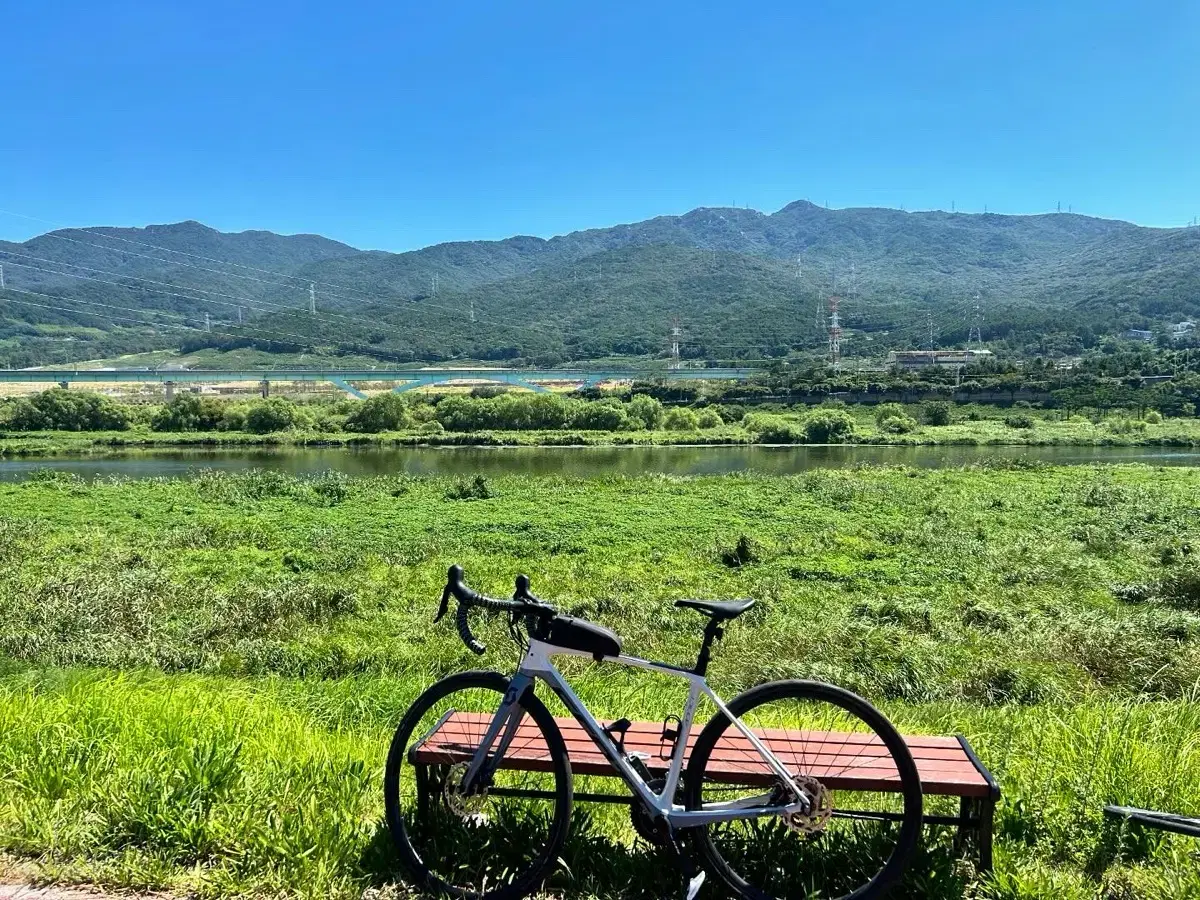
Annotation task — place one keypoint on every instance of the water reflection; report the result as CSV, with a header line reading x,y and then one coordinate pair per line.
x,y
578,462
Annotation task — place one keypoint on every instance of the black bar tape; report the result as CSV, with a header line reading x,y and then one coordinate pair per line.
x,y
464,631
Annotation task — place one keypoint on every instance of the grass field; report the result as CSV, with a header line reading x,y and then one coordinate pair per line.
x,y
199,678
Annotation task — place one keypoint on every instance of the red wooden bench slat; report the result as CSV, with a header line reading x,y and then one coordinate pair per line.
x,y
843,761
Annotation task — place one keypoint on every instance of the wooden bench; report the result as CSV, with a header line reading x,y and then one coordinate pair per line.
x,y
947,766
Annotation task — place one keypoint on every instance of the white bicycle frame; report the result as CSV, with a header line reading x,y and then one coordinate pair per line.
x,y
536,663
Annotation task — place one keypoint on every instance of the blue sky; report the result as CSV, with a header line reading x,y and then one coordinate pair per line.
x,y
396,125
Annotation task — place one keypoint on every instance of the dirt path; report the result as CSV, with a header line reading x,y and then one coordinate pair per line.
x,y
52,892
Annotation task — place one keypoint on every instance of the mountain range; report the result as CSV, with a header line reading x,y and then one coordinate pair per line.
x,y
740,284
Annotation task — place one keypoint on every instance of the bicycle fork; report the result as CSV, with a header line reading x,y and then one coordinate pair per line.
x,y
503,725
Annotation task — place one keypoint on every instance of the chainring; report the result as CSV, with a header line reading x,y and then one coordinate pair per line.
x,y
652,832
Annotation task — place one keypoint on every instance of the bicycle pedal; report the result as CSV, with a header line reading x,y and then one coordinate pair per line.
x,y
694,885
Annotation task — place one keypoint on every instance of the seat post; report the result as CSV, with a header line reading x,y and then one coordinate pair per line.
x,y
712,632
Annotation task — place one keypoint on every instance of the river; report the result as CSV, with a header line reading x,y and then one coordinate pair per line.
x,y
580,462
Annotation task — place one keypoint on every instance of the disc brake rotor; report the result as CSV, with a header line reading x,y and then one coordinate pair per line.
x,y
465,806
820,797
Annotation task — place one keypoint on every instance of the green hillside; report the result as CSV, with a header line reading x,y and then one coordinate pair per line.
x,y
742,284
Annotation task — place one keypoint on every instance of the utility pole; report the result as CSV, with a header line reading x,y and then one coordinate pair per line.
x,y
207,322
676,331
239,315
835,333
312,299
929,321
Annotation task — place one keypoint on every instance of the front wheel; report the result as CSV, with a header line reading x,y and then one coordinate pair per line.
x,y
858,773
494,843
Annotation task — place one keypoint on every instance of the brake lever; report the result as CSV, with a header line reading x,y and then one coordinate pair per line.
x,y
445,605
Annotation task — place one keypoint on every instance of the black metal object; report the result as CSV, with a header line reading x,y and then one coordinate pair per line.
x,y
1152,818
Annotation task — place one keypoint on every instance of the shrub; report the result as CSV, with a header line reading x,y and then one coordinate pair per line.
x,y
432,428
646,410
898,425
681,419
1019,420
938,414
190,412
1154,417
744,552
271,415
510,412
61,410
828,427
488,390
709,418
886,411
233,419
475,489
1181,588
601,416
383,412
1125,426
768,429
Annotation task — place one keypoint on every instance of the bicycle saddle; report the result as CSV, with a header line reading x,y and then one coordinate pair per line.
x,y
717,609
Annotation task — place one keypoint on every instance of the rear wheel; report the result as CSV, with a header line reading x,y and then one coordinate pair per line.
x,y
498,843
849,760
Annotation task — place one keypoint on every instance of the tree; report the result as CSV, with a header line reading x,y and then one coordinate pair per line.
x,y
938,413
828,426
681,419
647,410
271,415
383,412
601,416
61,410
189,412
769,429
710,418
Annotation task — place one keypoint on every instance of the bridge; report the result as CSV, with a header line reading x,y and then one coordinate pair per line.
x,y
404,379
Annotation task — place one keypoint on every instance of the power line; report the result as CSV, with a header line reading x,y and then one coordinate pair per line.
x,y
424,306
257,305
360,298
305,339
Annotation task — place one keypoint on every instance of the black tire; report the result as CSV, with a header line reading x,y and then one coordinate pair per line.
x,y
470,856
779,861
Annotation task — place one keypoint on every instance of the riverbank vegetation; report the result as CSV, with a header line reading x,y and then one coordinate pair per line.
x,y
64,421
200,675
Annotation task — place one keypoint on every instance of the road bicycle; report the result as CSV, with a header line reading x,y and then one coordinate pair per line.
x,y
479,783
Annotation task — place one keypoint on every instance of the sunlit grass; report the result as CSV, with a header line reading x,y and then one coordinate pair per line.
x,y
199,678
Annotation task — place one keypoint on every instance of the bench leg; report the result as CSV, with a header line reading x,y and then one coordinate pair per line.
x,y
966,813
987,817
422,773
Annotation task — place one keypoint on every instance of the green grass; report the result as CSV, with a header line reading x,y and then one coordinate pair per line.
x,y
198,678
